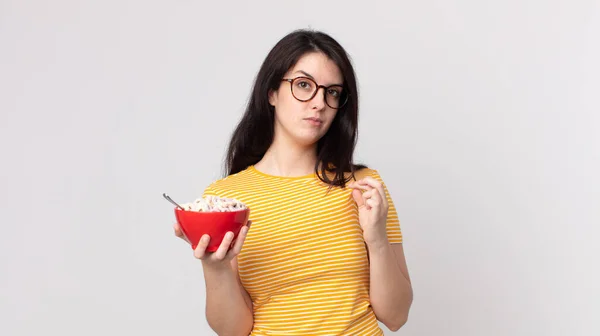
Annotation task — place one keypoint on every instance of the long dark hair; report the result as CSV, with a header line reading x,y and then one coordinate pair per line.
x,y
254,133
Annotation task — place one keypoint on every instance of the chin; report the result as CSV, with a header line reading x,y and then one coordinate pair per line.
x,y
307,141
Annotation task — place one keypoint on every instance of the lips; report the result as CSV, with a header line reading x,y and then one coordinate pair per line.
x,y
314,120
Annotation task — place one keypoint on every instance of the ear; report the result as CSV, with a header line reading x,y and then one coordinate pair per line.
x,y
272,97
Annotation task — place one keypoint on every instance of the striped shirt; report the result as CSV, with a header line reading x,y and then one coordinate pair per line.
x,y
304,262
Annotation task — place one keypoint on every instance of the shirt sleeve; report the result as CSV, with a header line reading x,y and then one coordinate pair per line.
x,y
394,232
208,191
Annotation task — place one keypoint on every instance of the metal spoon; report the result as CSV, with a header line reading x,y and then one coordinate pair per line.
x,y
170,200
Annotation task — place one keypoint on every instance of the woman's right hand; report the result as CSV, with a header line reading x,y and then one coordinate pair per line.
x,y
224,254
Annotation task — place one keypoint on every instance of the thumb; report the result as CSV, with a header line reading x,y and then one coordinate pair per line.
x,y
358,197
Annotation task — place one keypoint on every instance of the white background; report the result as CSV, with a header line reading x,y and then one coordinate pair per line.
x,y
483,118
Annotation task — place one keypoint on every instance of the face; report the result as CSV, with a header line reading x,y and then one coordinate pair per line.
x,y
305,123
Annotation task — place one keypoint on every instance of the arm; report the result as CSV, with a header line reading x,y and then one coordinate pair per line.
x,y
390,290
228,305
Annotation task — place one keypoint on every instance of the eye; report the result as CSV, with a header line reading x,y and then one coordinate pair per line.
x,y
334,93
304,85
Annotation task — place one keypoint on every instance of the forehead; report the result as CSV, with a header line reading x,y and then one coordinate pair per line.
x,y
319,66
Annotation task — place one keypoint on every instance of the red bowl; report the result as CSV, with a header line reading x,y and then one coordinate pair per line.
x,y
195,224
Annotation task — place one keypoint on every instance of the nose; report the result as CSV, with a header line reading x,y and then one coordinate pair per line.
x,y
318,101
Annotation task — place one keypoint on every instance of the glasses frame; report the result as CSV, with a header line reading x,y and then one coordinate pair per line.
x,y
291,81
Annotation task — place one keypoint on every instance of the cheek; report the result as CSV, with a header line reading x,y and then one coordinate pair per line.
x,y
289,107
286,112
291,102
330,116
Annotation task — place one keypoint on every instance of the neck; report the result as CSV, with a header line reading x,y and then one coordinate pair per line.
x,y
285,158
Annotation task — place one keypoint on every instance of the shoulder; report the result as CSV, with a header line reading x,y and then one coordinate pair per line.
x,y
228,183
373,173
370,172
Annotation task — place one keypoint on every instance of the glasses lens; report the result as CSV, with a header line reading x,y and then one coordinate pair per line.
x,y
303,88
335,96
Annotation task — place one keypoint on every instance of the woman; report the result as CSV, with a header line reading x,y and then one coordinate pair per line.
x,y
324,255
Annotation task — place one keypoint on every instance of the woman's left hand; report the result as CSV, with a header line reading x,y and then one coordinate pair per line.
x,y
372,209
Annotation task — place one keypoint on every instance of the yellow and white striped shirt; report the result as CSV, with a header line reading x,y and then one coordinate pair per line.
x,y
304,262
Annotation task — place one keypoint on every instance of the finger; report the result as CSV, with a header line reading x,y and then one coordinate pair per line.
x,y
236,246
372,203
178,232
372,198
224,247
373,193
375,184
358,197
200,251
362,186
358,191
239,242
370,181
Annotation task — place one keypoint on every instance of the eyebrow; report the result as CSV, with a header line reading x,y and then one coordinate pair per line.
x,y
313,78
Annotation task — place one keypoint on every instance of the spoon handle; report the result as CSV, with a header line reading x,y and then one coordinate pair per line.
x,y
170,200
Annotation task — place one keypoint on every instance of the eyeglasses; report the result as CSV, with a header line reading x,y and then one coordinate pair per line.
x,y
305,89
